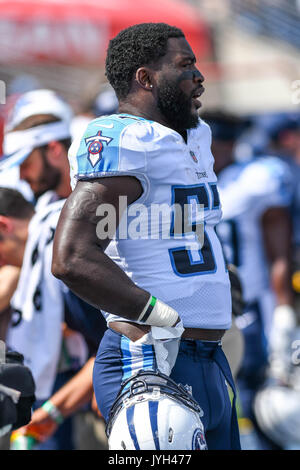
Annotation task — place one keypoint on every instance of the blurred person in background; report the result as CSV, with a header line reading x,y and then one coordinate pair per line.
x,y
97,103
9,275
31,159
282,133
33,331
276,405
37,139
38,324
257,238
35,162
280,136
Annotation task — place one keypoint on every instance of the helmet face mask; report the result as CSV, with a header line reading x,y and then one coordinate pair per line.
x,y
152,412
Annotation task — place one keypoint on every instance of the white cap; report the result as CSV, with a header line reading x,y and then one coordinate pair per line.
x,y
18,145
38,102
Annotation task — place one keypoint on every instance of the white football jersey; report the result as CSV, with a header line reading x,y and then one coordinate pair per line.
x,y
186,271
38,310
247,190
38,305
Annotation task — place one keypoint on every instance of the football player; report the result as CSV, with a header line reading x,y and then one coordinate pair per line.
x,y
152,278
256,235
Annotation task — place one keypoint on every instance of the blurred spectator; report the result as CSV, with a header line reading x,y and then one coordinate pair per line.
x,y
283,140
256,236
277,408
103,103
37,138
34,331
38,317
31,150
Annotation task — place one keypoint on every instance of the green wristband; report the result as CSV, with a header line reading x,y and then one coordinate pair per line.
x,y
53,411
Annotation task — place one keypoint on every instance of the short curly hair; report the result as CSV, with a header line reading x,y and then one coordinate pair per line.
x,y
135,47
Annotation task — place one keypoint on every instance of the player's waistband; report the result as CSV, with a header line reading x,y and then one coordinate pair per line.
x,y
135,331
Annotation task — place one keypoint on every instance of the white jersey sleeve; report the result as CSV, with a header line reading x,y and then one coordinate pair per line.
x,y
256,186
247,191
110,146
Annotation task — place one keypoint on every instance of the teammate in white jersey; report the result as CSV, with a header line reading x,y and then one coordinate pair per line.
x,y
256,236
149,279
37,138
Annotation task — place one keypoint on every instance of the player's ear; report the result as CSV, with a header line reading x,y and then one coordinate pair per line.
x,y
54,152
143,78
6,225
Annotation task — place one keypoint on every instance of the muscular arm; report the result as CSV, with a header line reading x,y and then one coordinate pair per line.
x,y
78,253
277,237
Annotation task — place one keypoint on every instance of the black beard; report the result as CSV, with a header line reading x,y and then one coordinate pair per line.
x,y
175,106
49,178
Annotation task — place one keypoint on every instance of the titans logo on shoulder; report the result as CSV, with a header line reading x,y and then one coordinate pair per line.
x,y
199,441
95,147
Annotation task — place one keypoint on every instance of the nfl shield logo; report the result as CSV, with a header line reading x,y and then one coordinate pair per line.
x,y
199,441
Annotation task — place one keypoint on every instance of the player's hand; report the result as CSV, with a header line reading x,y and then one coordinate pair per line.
x,y
41,425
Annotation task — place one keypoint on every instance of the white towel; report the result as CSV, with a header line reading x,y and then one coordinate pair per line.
x,y
166,345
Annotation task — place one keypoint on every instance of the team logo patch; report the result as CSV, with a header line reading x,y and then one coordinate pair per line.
x,y
199,442
95,147
192,154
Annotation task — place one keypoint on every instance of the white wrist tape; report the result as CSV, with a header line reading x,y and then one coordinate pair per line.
x,y
157,313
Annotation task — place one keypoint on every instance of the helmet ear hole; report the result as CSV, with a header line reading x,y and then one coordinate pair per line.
x,y
171,435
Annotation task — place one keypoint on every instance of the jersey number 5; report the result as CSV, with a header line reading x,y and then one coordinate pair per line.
x,y
186,261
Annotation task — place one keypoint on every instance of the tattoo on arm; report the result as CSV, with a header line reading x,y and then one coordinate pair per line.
x,y
83,205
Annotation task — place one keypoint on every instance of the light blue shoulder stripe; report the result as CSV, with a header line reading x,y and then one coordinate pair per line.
x,y
98,151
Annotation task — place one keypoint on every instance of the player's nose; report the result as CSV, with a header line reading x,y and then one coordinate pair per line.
x,y
198,77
